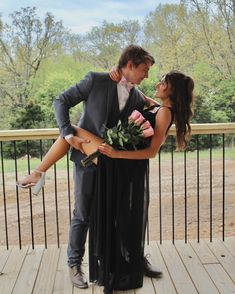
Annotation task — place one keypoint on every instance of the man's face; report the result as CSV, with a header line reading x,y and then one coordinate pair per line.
x,y
135,75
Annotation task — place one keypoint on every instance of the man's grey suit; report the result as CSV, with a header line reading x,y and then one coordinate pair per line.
x,y
99,94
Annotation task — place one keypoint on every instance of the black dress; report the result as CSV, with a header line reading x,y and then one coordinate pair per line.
x,y
118,222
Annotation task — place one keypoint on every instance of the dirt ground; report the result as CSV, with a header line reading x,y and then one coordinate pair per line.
x,y
177,217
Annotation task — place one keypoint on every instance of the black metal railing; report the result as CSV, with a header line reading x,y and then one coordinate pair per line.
x,y
190,199
222,217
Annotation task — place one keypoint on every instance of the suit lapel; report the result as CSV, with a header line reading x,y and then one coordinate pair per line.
x,y
112,102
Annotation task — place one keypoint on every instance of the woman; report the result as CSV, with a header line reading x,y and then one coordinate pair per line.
x,y
119,219
117,226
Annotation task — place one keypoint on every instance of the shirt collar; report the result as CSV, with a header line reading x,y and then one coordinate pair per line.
x,y
126,84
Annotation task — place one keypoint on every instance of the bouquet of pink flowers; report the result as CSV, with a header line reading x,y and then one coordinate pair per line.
x,y
128,136
125,136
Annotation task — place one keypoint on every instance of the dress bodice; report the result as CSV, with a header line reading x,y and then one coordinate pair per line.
x,y
151,112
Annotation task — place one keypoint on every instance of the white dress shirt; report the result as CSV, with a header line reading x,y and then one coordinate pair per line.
x,y
123,90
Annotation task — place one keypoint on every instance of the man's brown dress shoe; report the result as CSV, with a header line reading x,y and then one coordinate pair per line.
x,y
77,277
150,270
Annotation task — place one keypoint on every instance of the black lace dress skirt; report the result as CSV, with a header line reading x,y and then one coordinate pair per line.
x,y
118,223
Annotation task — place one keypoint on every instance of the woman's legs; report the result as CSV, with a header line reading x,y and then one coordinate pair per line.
x,y
56,152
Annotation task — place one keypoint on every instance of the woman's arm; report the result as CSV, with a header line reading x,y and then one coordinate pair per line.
x,y
163,119
149,101
115,74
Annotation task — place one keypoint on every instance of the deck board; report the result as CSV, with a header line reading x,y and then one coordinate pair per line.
x,y
176,268
62,280
196,270
4,254
220,278
164,285
226,259
47,271
203,252
230,244
204,267
29,271
11,269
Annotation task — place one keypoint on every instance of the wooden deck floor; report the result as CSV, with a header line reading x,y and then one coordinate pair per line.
x,y
187,268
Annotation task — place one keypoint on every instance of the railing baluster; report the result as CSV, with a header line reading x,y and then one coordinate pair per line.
x,y
30,196
211,201
43,204
4,197
17,195
223,207
198,190
148,193
172,189
185,197
160,194
56,207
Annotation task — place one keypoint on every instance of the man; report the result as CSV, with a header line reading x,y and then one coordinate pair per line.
x,y
100,94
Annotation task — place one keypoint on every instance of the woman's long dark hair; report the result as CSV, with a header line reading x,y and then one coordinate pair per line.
x,y
182,98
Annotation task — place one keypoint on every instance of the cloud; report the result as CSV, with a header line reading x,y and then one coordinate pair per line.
x,y
80,16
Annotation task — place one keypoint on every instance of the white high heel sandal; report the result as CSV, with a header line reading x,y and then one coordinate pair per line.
x,y
37,186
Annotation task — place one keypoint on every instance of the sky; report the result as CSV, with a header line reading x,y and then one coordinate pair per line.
x,y
79,16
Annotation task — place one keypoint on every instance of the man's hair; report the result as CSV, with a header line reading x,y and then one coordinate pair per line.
x,y
136,54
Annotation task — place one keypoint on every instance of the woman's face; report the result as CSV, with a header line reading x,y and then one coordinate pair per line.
x,y
162,89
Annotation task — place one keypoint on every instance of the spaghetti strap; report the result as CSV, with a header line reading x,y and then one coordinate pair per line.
x,y
150,115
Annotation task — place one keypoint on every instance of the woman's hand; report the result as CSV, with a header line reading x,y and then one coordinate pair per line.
x,y
108,150
115,74
149,101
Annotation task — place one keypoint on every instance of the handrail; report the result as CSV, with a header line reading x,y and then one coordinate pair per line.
x,y
53,133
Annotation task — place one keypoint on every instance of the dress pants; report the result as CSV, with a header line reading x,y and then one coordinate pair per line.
x,y
84,188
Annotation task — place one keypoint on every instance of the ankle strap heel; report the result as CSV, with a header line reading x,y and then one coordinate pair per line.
x,y
41,183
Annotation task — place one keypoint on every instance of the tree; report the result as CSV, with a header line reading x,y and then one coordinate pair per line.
x,y
165,36
213,22
23,46
106,42
30,116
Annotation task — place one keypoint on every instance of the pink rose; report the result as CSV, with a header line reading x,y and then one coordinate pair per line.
x,y
145,125
148,132
136,117
139,120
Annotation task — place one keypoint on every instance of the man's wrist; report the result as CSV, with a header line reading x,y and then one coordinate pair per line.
x,y
69,136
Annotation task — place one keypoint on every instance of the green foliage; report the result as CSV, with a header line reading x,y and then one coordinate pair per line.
x,y
29,117
54,77
148,86
165,36
215,100
105,43
124,136
202,113
223,106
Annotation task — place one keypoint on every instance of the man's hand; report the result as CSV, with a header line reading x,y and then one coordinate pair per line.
x,y
76,142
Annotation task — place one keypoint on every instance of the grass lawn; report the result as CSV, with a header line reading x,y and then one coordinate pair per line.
x,y
22,164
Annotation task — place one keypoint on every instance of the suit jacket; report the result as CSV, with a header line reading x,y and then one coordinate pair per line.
x,y
98,93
